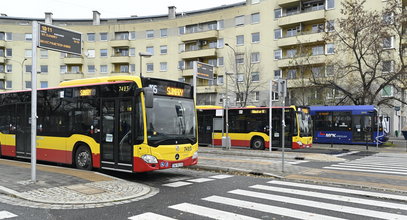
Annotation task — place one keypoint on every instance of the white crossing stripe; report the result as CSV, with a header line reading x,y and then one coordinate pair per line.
x,y
365,170
341,190
297,162
149,216
320,205
200,180
177,184
5,214
347,153
268,208
384,165
369,167
209,212
332,197
221,176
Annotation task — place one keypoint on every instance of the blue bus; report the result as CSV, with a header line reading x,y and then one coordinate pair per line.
x,y
351,124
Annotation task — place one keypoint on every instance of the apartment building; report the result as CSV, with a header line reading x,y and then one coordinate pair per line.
x,y
255,41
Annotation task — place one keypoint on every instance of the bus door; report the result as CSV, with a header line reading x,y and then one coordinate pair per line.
x,y
23,129
205,127
116,138
361,128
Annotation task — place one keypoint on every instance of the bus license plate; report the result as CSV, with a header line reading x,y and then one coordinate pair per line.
x,y
174,165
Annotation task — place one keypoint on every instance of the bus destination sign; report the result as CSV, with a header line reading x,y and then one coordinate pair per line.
x,y
55,38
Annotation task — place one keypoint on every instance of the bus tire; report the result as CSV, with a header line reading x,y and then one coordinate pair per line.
x,y
83,158
257,143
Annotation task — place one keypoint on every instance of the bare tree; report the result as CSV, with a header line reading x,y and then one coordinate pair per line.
x,y
365,61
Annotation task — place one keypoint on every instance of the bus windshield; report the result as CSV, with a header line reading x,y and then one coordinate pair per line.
x,y
304,120
171,121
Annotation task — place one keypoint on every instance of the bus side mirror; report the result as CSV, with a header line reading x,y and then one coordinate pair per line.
x,y
148,97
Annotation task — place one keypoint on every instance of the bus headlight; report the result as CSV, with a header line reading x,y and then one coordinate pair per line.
x,y
149,158
195,155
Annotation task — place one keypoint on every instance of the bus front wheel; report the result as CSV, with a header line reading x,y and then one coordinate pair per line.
x,y
83,158
257,143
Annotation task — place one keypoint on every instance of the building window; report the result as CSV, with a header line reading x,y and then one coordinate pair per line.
x,y
212,62
103,69
44,68
219,80
132,35
239,97
28,68
329,70
63,69
256,96
9,52
9,36
317,50
220,61
240,40
330,4
2,37
103,36
318,28
255,18
28,84
256,37
132,52
291,74
181,65
103,52
1,68
149,34
255,77
221,24
91,53
239,20
9,68
28,36
277,54
387,66
277,13
277,34
239,58
1,52
132,68
181,30
330,26
28,53
9,84
75,69
387,91
150,67
330,48
164,32
91,37
121,36
255,2
91,69
44,84
163,49
277,74
291,53
124,68
317,71
240,77
163,67
388,43
44,53
221,43
255,57
293,31
150,50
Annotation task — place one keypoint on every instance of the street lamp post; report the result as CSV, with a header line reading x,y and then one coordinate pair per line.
x,y
143,54
227,138
22,73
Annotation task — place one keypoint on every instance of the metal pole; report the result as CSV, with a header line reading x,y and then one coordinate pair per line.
x,y
34,101
141,63
22,74
283,125
271,116
227,114
378,127
195,66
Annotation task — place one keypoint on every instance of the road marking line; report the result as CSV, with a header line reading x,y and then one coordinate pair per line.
x,y
221,176
316,204
209,212
347,153
268,208
177,184
332,197
368,167
363,170
375,164
200,180
149,216
5,214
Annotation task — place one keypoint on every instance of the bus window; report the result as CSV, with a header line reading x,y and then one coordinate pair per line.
x,y
341,121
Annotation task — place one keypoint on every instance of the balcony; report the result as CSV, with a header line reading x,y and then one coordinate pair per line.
x,y
302,17
120,59
200,35
2,59
302,38
2,75
119,43
284,3
2,43
199,53
298,83
206,89
118,73
73,60
300,61
188,72
72,76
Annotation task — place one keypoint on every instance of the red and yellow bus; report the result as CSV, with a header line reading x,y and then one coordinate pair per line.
x,y
249,126
124,123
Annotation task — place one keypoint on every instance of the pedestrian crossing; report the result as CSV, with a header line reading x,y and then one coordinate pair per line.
x,y
6,215
187,182
280,199
385,163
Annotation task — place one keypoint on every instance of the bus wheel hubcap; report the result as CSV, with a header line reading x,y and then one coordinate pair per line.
x,y
83,159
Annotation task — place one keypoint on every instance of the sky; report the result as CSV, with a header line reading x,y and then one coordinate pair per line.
x,y
107,8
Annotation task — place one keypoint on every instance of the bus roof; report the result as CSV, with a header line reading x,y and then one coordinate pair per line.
x,y
99,80
212,107
356,109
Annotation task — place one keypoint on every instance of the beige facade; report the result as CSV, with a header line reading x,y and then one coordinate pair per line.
x,y
260,35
